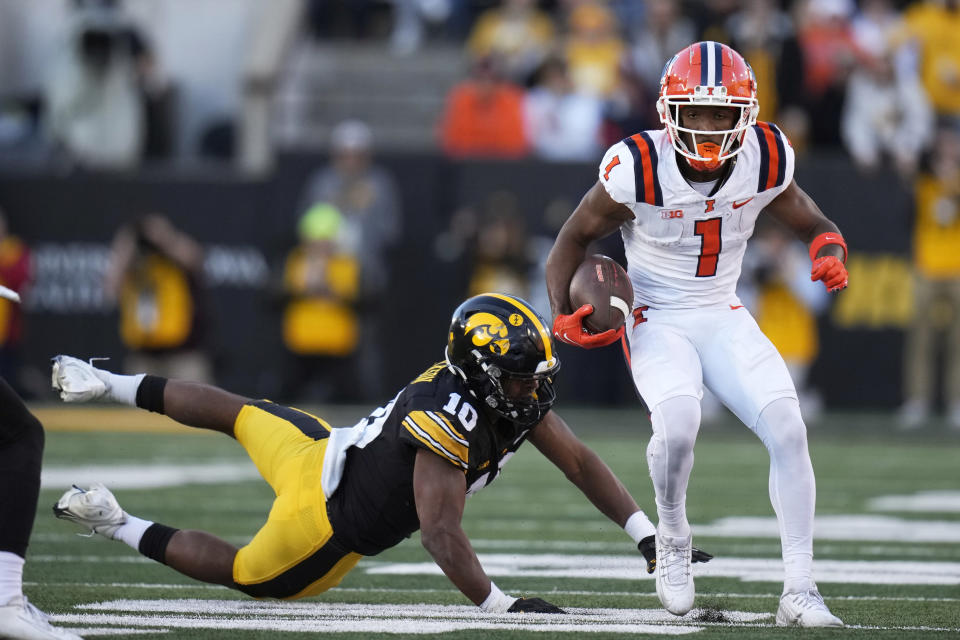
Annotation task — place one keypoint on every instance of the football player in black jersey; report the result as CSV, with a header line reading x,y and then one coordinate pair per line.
x,y
347,493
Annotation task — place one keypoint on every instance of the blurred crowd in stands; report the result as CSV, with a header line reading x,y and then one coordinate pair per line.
x,y
555,80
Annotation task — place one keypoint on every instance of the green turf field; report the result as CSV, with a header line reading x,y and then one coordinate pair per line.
x,y
887,549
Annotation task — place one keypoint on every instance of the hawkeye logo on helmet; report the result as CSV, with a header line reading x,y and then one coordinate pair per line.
x,y
488,329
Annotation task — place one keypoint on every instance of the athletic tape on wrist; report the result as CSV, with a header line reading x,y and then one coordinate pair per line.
x,y
497,601
823,240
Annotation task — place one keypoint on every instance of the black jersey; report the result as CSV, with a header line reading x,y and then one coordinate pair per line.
x,y
373,506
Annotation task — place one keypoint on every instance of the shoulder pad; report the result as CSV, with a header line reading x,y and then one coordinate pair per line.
x,y
645,160
773,155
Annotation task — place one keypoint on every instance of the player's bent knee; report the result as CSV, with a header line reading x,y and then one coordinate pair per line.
x,y
781,426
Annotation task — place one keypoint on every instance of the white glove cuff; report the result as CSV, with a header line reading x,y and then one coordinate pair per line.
x,y
497,601
120,388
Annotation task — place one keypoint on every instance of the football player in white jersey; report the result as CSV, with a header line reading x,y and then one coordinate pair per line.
x,y
685,198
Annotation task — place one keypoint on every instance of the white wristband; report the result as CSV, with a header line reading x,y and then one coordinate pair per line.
x,y
497,601
638,526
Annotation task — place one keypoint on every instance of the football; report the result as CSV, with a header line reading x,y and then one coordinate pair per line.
x,y
603,283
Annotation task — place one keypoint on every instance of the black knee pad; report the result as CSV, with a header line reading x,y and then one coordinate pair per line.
x,y
20,459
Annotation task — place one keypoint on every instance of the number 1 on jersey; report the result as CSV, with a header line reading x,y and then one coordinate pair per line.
x,y
710,245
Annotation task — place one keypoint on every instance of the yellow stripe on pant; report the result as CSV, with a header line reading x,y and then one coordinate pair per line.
x,y
295,554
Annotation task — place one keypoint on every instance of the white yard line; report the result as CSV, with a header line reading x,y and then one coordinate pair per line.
x,y
400,591
412,619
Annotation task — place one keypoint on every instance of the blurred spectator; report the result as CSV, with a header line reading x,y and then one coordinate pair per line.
x,y
501,261
554,215
593,48
775,285
665,32
321,327
411,19
365,195
486,246
563,124
629,106
483,116
877,26
105,89
760,31
14,274
156,275
886,116
712,18
932,27
517,33
829,54
936,286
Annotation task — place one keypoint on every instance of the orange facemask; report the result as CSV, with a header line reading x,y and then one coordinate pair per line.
x,y
710,150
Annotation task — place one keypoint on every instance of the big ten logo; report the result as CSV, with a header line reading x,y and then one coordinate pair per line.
x,y
880,294
671,214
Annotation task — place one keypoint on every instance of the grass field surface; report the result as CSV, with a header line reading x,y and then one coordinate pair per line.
x,y
887,546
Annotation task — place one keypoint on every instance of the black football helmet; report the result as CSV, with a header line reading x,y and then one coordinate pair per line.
x,y
494,338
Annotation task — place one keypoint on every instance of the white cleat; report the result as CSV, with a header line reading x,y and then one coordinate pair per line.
x,y
76,380
674,574
94,508
805,609
20,620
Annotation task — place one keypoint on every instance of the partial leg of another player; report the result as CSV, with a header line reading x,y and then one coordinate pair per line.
x,y
21,453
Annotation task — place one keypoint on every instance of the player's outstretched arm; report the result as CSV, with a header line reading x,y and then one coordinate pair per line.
x,y
190,403
440,489
584,468
828,251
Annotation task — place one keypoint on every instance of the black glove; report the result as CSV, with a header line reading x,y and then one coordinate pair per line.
x,y
648,547
533,605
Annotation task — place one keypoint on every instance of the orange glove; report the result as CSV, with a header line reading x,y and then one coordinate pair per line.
x,y
570,329
831,271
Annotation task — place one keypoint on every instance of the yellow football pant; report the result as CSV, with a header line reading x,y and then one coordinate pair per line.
x,y
295,554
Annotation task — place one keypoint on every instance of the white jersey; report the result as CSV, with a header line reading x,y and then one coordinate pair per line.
x,y
684,250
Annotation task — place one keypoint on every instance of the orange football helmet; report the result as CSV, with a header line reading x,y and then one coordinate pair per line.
x,y
708,74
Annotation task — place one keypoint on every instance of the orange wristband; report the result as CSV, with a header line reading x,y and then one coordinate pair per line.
x,y
823,240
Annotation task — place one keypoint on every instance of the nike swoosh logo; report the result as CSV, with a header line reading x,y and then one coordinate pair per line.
x,y
737,205
735,307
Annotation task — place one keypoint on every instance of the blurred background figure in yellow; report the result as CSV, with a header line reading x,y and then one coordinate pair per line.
x,y
518,33
936,254
156,276
365,196
775,285
321,326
